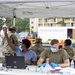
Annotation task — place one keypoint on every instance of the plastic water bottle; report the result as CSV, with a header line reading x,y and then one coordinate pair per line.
x,y
72,64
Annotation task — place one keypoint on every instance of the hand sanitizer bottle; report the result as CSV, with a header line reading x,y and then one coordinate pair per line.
x,y
47,67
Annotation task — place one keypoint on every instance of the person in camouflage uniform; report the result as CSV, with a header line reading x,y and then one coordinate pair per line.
x,y
37,48
57,57
68,48
7,50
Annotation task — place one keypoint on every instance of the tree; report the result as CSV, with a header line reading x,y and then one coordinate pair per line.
x,y
4,20
9,21
61,22
22,24
1,23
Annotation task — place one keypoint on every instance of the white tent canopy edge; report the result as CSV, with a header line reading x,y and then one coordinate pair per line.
x,y
37,8
10,1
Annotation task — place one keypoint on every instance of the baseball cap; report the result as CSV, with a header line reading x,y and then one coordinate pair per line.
x,y
12,28
38,40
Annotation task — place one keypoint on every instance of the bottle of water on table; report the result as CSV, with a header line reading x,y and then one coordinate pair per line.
x,y
72,64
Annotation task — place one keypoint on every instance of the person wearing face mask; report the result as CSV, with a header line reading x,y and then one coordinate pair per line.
x,y
38,48
69,49
24,50
6,49
57,57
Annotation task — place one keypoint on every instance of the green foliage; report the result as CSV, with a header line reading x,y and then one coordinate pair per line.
x,y
21,24
32,31
9,21
1,23
61,23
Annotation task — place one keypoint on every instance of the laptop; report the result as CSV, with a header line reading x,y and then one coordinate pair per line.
x,y
15,62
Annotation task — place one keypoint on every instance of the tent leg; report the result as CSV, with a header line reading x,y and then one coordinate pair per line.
x,y
13,21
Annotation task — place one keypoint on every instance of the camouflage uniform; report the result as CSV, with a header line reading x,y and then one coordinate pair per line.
x,y
6,48
37,48
69,50
57,57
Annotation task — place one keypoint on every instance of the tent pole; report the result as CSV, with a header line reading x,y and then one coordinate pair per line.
x,y
14,16
14,21
30,29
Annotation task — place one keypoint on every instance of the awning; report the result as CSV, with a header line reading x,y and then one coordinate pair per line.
x,y
37,8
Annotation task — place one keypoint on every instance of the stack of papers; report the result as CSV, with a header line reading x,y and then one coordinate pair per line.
x,y
68,71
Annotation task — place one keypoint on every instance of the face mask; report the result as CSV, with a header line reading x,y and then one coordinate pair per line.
x,y
20,48
15,33
53,50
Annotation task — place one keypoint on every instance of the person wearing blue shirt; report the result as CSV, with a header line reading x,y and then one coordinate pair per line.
x,y
30,56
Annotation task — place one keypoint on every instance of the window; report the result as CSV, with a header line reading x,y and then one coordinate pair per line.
x,y
45,20
64,24
40,19
73,19
32,27
54,19
51,24
72,24
40,25
32,22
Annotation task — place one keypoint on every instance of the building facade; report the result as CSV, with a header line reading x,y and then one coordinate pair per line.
x,y
52,22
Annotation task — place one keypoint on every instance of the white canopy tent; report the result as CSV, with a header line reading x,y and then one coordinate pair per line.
x,y
37,8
